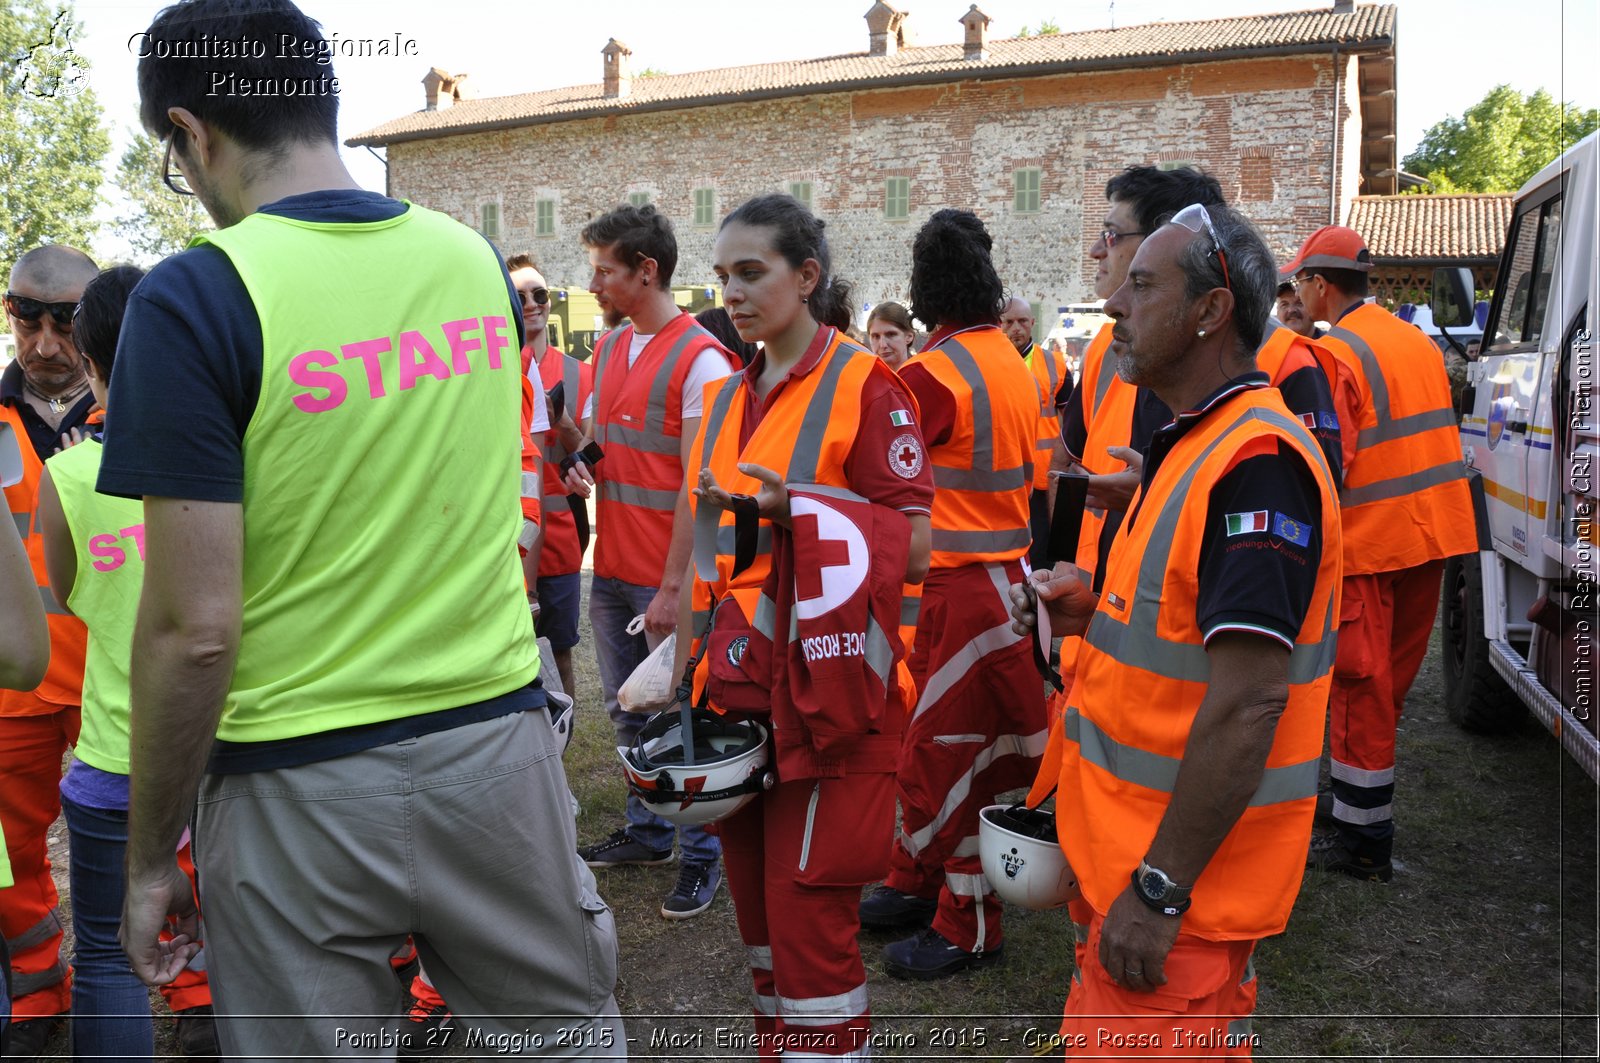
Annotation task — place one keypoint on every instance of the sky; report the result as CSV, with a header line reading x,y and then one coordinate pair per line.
x,y
1450,52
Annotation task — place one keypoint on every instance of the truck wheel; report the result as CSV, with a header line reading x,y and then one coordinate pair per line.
x,y
1475,697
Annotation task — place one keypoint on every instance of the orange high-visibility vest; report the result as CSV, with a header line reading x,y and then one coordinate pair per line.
x,y
982,473
1143,672
560,555
1405,497
532,511
1049,368
638,420
1108,403
807,436
69,639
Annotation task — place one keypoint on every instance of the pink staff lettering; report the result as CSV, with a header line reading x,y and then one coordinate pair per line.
x,y
326,387
108,555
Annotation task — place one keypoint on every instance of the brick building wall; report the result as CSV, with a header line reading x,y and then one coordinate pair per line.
x,y
1263,127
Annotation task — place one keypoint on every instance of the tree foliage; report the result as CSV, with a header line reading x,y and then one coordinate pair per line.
x,y
1047,28
1499,142
157,222
52,141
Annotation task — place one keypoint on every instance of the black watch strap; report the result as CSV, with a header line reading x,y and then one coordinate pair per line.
x,y
1172,908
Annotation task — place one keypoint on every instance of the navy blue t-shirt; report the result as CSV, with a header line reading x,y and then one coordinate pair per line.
x,y
184,386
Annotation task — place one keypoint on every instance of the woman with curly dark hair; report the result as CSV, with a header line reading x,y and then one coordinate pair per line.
x,y
979,411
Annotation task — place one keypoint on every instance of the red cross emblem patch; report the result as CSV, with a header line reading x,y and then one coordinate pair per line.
x,y
905,456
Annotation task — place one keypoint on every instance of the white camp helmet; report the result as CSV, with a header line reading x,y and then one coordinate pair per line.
x,y
1021,858
729,766
559,706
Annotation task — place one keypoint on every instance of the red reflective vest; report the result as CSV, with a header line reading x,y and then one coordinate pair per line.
x,y
560,555
981,473
638,420
1143,672
69,639
1405,497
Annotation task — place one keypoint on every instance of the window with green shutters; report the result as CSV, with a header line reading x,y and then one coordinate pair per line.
x,y
1026,186
801,190
544,217
897,197
705,206
639,199
489,219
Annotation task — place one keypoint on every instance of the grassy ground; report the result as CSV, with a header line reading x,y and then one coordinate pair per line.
x,y
1483,946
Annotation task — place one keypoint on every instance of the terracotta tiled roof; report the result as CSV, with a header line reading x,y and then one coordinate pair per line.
x,y
1366,27
1432,227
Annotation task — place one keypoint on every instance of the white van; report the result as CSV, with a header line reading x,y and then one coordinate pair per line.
x,y
1520,617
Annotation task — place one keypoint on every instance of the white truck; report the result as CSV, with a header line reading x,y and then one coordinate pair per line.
x,y
1520,616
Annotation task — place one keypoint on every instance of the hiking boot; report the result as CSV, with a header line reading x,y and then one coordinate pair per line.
x,y
886,908
425,1031
1329,853
1323,818
697,885
931,955
26,1039
620,848
197,1033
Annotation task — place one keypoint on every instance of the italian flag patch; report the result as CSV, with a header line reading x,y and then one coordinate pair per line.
x,y
1245,523
900,418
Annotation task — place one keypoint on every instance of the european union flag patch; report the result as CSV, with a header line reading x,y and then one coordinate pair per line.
x,y
1291,530
1329,421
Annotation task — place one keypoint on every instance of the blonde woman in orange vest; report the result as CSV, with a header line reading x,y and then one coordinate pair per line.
x,y
979,724
814,413
1406,509
1194,726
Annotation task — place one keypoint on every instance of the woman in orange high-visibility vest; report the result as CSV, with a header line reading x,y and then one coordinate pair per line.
x,y
814,412
979,725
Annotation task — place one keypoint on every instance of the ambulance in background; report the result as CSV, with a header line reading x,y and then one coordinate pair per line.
x,y
1520,616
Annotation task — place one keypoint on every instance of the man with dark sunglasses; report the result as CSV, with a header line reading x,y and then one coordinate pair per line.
x,y
43,395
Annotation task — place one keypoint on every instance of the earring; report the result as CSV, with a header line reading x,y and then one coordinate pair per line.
x,y
805,299
1201,333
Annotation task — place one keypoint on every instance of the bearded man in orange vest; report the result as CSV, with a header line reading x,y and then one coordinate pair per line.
x,y
649,385
44,394
1406,508
1194,726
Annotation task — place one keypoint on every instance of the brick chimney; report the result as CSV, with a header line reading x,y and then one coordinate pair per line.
x,y
619,79
887,31
433,82
976,45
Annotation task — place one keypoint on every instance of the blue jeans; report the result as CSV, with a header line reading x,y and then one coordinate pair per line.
x,y
110,1006
612,606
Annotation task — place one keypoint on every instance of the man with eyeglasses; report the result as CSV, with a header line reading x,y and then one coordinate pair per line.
x,y
1191,740
1406,507
44,395
335,666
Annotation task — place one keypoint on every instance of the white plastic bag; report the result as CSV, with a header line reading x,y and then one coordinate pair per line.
x,y
653,684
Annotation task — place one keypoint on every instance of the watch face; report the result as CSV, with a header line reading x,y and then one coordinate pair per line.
x,y
1154,885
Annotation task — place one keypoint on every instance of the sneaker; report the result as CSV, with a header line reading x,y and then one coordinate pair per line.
x,y
425,1030
886,908
620,848
1329,853
931,955
197,1033
27,1039
697,885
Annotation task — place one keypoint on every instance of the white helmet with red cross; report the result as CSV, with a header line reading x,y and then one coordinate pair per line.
x,y
725,766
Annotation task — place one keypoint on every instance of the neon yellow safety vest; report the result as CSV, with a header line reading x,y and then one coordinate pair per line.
x,y
108,540
381,473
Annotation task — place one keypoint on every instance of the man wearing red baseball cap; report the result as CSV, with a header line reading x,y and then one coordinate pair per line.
x,y
1405,508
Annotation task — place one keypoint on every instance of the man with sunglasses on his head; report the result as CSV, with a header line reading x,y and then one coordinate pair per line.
x,y
44,394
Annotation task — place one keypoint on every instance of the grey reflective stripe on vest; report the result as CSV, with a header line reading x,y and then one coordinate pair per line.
x,y
699,619
910,609
23,984
21,521
50,604
48,926
571,381
727,534
652,437
880,658
1155,771
1048,405
531,485
766,618
1135,643
643,497
982,476
1102,383
603,355
708,517
1390,428
555,503
980,542
715,417
814,425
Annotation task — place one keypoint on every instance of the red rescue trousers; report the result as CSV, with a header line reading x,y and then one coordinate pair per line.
x,y
978,731
31,749
1203,1012
192,987
796,858
1384,624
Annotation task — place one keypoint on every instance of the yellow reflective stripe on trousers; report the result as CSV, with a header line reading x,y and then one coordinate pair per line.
x,y
1156,771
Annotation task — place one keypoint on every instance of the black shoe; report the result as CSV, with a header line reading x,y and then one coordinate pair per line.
x,y
197,1033
930,955
620,848
697,885
26,1039
1329,853
886,908
425,1031
1323,818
